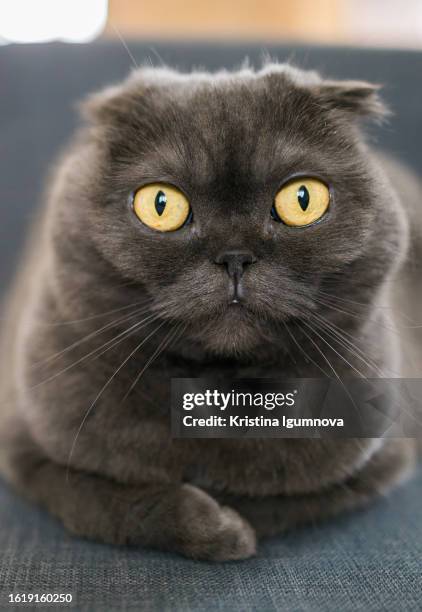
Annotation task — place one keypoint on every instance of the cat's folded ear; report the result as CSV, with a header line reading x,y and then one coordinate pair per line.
x,y
102,105
358,98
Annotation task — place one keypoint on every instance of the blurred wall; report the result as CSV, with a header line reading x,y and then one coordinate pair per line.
x,y
360,22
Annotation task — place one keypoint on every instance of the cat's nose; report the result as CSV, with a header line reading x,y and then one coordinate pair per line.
x,y
235,262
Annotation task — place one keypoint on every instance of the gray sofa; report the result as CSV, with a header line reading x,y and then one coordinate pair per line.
x,y
369,560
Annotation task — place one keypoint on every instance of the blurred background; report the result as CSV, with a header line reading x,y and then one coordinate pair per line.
x,y
387,23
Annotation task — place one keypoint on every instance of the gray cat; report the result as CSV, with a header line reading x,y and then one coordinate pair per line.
x,y
201,224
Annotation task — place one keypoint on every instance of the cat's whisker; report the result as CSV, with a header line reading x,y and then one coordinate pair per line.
x,y
103,389
326,302
347,300
414,324
172,335
358,372
394,308
346,336
94,316
90,336
393,330
114,341
371,362
326,295
344,344
122,40
319,349
88,318
343,332
158,56
302,350
343,341
93,291
130,332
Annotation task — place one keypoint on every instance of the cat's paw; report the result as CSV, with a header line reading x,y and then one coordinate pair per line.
x,y
214,532
233,539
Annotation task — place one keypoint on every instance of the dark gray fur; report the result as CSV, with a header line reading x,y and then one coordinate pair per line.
x,y
228,140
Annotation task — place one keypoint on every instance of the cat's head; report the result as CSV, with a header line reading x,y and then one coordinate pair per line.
x,y
236,200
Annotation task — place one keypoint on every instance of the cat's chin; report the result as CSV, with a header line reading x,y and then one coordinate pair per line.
x,y
234,346
234,334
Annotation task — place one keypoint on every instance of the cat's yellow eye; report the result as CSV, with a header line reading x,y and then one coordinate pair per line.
x,y
301,202
161,207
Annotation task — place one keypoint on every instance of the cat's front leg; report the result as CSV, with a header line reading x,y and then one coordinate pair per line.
x,y
172,517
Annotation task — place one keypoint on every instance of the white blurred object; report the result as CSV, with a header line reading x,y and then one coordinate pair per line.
x,y
37,21
390,23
